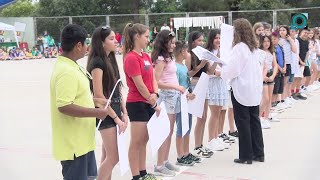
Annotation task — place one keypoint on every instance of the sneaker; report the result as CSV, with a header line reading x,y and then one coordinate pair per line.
x,y
207,150
301,97
215,145
227,138
163,171
291,98
201,152
194,158
294,96
234,134
171,167
185,161
225,145
273,119
288,103
148,177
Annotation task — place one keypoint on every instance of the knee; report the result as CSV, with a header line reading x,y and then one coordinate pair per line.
x,y
113,160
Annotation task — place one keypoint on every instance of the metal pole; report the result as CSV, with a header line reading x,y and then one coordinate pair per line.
x,y
146,19
187,28
35,29
108,20
230,17
274,24
70,20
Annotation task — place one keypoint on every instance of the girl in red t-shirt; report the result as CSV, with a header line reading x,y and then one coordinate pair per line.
x,y
142,96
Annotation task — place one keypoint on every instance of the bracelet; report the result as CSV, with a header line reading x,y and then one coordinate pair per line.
x,y
115,117
154,106
157,95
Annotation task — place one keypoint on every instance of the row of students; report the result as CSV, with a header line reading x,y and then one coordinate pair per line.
x,y
143,81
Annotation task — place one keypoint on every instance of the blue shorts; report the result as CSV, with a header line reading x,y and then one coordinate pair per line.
x,y
81,168
179,124
171,99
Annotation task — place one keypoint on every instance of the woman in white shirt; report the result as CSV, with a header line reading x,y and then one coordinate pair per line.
x,y
245,72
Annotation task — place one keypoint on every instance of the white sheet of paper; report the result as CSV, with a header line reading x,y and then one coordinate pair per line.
x,y
158,129
204,54
196,106
226,41
123,151
184,113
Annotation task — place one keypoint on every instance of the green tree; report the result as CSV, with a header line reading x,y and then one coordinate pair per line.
x,y
20,8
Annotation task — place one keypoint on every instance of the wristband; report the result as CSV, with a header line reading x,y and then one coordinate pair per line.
x,y
115,117
154,106
157,95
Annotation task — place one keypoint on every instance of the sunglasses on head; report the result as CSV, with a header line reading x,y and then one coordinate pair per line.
x,y
105,27
172,34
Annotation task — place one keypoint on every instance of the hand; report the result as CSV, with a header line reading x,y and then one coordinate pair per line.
x,y
181,89
289,38
120,124
191,96
103,113
158,110
152,99
284,70
218,73
125,119
265,79
271,79
100,102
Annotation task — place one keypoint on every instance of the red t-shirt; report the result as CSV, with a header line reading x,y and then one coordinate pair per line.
x,y
135,65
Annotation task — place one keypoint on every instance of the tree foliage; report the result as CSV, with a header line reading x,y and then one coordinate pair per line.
x,y
21,8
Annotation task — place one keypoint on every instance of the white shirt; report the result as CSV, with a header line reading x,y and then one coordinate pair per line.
x,y
245,72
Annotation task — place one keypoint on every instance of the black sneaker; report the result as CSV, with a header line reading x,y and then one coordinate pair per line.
x,y
185,161
301,97
294,96
194,158
234,134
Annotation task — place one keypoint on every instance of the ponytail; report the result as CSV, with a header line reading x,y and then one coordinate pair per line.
x,y
129,32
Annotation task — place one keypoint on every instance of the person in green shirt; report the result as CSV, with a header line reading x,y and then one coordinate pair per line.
x,y
73,109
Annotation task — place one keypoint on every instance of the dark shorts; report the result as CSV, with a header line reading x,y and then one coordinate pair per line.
x,y
306,72
108,122
139,111
288,72
81,168
278,84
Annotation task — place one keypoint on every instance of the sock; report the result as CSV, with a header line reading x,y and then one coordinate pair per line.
x,y
282,101
143,173
166,161
136,177
292,91
297,90
278,102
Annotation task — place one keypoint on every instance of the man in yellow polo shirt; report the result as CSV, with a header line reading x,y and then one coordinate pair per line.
x,y
72,109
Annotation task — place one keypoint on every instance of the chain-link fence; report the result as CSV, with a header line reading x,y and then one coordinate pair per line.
x,y
54,25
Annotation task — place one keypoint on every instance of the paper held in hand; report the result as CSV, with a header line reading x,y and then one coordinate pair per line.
x,y
204,54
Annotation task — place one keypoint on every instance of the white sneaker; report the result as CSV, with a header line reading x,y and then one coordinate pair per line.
x,y
293,100
288,103
281,106
214,145
273,119
225,145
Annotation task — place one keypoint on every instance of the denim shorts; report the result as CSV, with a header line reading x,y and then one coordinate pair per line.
x,y
81,168
179,124
171,99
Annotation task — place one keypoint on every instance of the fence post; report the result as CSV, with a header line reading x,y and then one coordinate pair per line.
x,y
70,20
108,20
274,23
35,29
146,20
187,28
230,17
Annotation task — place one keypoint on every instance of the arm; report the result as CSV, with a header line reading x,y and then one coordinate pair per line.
x,y
97,74
236,64
78,111
158,72
293,44
275,66
194,71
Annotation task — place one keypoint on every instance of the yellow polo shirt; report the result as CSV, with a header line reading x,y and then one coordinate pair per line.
x,y
70,135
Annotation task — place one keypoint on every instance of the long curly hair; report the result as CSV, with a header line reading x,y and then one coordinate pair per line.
x,y
243,32
161,45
